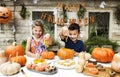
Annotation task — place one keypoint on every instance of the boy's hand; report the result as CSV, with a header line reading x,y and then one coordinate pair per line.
x,y
65,31
76,53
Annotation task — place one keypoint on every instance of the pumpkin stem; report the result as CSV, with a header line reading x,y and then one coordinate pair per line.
x,y
10,58
14,43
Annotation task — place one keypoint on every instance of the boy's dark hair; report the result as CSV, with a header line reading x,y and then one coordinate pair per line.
x,y
74,26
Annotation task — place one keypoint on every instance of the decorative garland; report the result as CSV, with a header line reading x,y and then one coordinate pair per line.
x,y
64,14
23,11
81,11
117,14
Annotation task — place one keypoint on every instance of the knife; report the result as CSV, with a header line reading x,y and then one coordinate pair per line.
x,y
24,74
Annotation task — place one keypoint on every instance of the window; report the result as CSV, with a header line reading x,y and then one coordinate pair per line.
x,y
100,26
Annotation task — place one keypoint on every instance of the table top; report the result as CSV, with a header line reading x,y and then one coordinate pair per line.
x,y
60,73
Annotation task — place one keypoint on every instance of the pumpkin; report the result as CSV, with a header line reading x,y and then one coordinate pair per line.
x,y
65,53
115,64
5,14
2,56
48,55
103,54
9,68
19,59
13,50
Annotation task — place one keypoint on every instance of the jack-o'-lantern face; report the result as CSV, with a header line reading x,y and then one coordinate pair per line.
x,y
5,15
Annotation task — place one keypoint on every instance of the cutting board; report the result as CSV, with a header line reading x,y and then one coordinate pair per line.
x,y
101,73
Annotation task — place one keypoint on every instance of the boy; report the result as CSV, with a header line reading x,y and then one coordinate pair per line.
x,y
70,37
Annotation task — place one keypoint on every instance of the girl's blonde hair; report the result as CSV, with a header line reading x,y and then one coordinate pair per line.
x,y
38,22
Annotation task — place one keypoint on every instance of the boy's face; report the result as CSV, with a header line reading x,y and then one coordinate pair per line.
x,y
37,31
73,34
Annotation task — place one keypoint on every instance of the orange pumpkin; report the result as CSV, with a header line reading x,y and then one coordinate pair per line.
x,y
103,54
13,50
48,55
5,14
65,53
19,59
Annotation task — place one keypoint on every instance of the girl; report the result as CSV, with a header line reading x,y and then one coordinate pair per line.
x,y
36,43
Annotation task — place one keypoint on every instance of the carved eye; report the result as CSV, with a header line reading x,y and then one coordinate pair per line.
x,y
6,12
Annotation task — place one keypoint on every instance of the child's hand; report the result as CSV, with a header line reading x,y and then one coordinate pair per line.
x,y
65,31
76,53
47,36
47,39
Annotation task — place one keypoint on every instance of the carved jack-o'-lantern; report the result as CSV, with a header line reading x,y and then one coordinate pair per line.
x,y
5,14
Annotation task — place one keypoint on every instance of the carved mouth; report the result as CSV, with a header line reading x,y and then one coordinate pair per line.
x,y
2,17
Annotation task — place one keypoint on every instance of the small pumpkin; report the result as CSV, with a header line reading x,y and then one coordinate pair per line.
x,y
65,53
5,14
2,56
103,54
19,59
9,68
115,64
48,55
13,50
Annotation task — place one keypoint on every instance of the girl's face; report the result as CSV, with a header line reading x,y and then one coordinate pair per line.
x,y
73,34
37,31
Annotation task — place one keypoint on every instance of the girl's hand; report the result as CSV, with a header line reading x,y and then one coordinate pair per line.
x,y
47,40
47,36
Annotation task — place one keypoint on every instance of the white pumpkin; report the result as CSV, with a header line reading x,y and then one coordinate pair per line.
x,y
9,68
3,58
115,64
87,55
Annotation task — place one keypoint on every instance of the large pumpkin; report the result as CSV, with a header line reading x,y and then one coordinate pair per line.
x,y
103,54
48,55
65,53
19,59
5,14
13,50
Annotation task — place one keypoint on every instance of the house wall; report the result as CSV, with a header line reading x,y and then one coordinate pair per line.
x,y
23,26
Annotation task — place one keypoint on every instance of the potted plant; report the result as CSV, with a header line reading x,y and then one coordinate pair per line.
x,y
99,41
